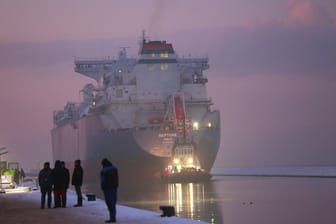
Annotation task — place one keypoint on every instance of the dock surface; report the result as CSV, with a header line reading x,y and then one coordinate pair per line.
x,y
25,208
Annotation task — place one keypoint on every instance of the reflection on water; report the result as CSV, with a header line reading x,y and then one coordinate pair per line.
x,y
239,200
176,197
191,200
196,201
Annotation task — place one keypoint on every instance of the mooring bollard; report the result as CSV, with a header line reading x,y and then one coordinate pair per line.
x,y
91,197
168,210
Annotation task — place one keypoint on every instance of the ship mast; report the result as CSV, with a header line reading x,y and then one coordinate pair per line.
x,y
143,37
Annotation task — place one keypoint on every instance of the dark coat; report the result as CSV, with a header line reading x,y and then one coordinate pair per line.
x,y
77,176
67,177
109,178
45,178
60,177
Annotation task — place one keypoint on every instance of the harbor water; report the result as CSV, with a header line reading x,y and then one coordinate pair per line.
x,y
240,199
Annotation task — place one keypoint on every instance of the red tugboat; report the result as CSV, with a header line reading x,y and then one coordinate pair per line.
x,y
184,165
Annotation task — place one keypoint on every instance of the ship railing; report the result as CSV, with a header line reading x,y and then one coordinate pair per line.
x,y
136,128
148,127
102,60
131,100
198,101
106,59
88,69
102,63
194,62
184,59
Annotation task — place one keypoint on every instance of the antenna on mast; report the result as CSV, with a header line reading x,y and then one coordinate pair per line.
x,y
143,37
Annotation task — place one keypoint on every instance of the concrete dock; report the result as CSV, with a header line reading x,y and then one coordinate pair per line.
x,y
25,208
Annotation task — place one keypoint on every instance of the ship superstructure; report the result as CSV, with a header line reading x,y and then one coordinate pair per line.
x,y
151,111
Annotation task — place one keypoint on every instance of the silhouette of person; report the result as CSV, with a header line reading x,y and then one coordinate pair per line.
x,y
77,181
22,175
66,184
109,183
16,176
45,183
60,182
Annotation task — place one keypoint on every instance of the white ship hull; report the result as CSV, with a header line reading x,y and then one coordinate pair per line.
x,y
149,115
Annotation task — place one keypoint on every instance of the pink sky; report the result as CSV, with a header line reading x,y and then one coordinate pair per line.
x,y
272,69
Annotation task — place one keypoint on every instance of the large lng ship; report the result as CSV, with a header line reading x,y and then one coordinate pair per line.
x,y
149,115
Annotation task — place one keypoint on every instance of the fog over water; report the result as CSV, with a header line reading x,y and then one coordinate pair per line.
x,y
272,70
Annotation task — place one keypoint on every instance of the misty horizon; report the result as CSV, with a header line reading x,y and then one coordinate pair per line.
x,y
272,75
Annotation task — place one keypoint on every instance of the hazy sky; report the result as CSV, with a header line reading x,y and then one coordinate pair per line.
x,y
272,69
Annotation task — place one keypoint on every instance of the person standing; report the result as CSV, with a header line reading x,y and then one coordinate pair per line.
x,y
59,182
45,183
17,176
77,181
66,183
109,183
22,175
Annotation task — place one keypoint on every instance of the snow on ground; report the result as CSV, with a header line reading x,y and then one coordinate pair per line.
x,y
25,208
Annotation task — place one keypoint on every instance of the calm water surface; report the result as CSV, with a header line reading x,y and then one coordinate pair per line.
x,y
238,200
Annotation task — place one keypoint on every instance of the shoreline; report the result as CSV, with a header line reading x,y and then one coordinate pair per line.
x,y
25,208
